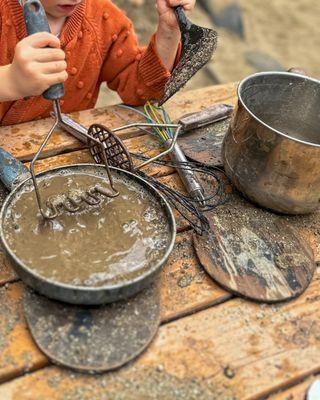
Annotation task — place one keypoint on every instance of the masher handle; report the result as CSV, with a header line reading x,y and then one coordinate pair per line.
x,y
36,21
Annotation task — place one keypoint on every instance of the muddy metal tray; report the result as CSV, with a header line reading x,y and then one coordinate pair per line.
x,y
80,294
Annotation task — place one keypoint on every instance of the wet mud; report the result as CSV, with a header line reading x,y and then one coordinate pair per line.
x,y
100,245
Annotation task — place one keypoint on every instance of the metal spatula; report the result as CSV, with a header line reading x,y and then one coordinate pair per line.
x,y
198,46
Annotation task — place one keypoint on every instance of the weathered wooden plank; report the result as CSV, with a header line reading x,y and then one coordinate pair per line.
x,y
18,352
307,224
6,272
297,392
237,350
26,138
185,288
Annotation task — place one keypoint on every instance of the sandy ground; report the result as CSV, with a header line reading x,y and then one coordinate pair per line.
x,y
287,31
278,34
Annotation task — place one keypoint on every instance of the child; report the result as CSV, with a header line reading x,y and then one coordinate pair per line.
x,y
92,41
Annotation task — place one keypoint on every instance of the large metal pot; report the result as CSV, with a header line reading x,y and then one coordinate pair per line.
x,y
272,149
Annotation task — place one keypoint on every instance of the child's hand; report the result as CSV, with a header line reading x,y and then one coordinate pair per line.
x,y
35,68
166,13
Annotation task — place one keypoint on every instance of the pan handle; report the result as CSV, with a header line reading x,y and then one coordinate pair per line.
x,y
12,171
36,21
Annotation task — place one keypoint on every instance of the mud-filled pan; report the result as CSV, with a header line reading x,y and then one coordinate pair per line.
x,y
109,291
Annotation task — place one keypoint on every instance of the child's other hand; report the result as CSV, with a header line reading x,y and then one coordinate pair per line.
x,y
35,68
166,13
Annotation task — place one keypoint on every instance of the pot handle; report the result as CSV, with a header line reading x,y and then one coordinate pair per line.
x,y
12,171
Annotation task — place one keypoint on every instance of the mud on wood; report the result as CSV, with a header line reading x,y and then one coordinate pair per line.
x,y
238,350
255,253
180,282
26,138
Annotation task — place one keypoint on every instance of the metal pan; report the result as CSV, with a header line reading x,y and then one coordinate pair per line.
x,y
16,178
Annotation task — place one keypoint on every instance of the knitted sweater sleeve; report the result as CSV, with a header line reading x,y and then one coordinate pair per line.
x,y
136,73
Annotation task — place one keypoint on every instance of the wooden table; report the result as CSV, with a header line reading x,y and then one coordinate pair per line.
x,y
211,345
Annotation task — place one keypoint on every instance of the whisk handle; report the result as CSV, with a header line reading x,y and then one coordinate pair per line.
x,y
36,21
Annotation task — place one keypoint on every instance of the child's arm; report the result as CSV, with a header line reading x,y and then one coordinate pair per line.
x,y
168,33
34,68
140,74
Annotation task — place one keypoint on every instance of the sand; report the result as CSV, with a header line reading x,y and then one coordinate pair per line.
x,y
288,33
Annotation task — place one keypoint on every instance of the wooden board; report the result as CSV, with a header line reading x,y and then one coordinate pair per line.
x,y
185,289
297,392
6,272
25,138
204,145
237,350
145,145
254,253
308,227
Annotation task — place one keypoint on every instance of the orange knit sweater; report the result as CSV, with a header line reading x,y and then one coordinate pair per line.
x,y
100,46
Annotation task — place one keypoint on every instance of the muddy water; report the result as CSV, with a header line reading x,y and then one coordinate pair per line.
x,y
110,243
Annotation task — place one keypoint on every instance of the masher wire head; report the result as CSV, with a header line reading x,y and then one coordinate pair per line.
x,y
112,147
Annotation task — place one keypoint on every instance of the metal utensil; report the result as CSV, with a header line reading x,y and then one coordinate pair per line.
x,y
36,21
208,116
198,46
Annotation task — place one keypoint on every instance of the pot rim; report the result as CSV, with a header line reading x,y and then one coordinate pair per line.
x,y
281,73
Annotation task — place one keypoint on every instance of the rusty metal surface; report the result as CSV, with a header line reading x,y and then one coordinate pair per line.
x,y
116,152
204,144
254,253
93,339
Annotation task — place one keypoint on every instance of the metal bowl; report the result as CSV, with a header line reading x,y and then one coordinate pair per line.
x,y
272,149
81,294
